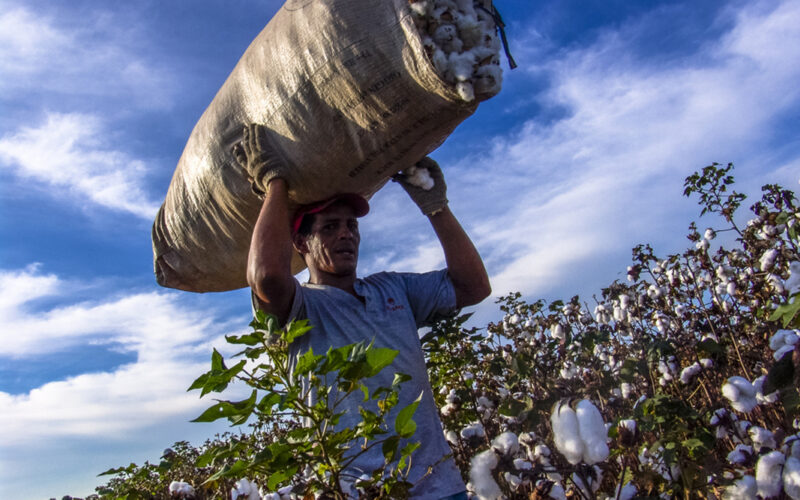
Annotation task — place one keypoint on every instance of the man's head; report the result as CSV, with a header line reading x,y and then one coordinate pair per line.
x,y
326,234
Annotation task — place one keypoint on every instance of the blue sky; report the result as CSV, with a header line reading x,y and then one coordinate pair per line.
x,y
579,158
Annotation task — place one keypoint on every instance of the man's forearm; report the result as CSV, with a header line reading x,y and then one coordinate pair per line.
x,y
269,260
464,264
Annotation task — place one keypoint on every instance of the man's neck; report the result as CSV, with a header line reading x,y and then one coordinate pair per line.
x,y
345,283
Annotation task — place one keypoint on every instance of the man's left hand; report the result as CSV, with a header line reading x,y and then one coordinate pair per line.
x,y
432,200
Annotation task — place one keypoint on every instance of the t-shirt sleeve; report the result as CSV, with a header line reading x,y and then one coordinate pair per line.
x,y
297,311
431,296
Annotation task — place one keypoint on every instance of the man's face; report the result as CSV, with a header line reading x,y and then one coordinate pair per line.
x,y
332,245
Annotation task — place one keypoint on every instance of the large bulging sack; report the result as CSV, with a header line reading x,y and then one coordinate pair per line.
x,y
352,91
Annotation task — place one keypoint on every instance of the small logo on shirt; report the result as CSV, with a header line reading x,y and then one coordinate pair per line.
x,y
392,306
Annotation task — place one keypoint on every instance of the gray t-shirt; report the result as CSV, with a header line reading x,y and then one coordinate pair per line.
x,y
395,306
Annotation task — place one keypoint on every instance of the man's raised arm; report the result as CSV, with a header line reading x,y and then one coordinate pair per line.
x,y
464,264
269,261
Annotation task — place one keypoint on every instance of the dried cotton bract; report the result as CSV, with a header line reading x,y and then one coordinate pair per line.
x,y
460,40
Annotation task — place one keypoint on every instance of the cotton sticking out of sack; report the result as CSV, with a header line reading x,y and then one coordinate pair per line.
x,y
461,42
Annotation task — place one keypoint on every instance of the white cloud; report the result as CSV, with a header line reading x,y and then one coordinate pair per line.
x,y
96,57
67,156
144,401
566,192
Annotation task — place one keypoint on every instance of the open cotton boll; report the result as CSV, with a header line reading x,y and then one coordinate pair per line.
x,y
465,91
741,393
688,373
460,66
419,8
506,443
592,431
626,492
793,282
480,475
742,489
474,429
740,454
245,489
419,176
769,471
439,60
768,259
181,489
782,338
566,432
791,478
760,396
761,437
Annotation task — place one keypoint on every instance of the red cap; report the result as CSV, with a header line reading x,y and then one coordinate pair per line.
x,y
355,201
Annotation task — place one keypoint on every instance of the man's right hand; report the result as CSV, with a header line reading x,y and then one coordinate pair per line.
x,y
258,158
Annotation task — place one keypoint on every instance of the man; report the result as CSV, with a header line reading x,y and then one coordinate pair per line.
x,y
343,309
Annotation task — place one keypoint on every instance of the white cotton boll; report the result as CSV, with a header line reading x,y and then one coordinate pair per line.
x,y
627,389
522,464
706,363
628,424
480,475
760,396
793,282
730,288
506,443
488,79
702,245
740,454
181,488
741,393
791,478
246,489
451,437
420,177
783,338
419,8
743,489
484,401
761,437
514,481
448,409
566,433
710,234
769,470
592,431
569,371
541,450
444,34
461,65
688,373
557,492
557,332
626,492
439,60
465,91
474,429
776,283
768,259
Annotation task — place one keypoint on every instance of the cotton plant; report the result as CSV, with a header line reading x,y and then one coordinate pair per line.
x,y
688,362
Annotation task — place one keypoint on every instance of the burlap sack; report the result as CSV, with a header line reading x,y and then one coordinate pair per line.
x,y
350,98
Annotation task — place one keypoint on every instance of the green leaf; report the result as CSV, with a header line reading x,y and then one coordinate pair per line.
x,y
237,412
787,313
390,448
403,425
306,363
278,477
379,358
233,471
294,330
